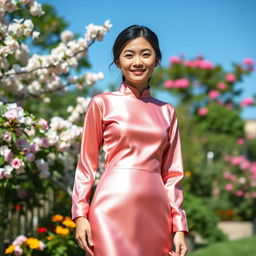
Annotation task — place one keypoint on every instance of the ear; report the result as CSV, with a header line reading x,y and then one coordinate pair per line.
x,y
156,63
117,64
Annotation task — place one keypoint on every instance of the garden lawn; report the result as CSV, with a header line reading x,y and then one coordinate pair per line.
x,y
240,247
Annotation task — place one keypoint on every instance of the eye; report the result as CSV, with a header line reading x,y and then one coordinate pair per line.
x,y
146,54
128,55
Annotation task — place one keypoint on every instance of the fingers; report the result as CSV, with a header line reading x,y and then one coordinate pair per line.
x,y
83,244
181,250
89,236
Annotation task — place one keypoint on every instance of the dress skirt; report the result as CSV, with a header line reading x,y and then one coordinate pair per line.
x,y
130,214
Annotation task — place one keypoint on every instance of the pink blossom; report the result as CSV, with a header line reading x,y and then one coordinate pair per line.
x,y
254,194
229,187
246,102
11,114
240,141
43,123
236,160
174,59
248,61
8,156
222,86
242,180
7,137
19,240
202,111
41,246
245,165
189,63
239,193
181,83
45,143
16,163
169,84
197,63
230,78
213,94
205,64
18,251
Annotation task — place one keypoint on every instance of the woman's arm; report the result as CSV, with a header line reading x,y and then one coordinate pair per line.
x,y
87,165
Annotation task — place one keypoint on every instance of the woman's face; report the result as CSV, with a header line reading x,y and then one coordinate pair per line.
x,y
137,61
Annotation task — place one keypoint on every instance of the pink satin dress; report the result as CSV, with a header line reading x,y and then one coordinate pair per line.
x,y
137,204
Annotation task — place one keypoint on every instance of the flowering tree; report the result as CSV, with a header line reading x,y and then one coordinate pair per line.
x,y
36,153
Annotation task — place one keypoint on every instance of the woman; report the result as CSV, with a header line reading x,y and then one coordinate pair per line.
x,y
136,208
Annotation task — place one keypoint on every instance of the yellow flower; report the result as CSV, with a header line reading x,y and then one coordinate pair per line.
x,y
187,173
57,217
10,249
61,231
49,237
33,243
69,223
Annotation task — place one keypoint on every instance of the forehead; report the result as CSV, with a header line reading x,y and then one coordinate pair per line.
x,y
137,44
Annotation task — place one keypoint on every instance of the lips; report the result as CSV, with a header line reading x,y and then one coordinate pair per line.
x,y
138,72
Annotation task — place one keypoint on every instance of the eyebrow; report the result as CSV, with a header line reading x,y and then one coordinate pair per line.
x,y
142,50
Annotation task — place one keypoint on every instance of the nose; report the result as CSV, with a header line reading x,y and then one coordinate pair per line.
x,y
137,61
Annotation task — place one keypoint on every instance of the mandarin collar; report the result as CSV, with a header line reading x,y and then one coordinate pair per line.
x,y
129,90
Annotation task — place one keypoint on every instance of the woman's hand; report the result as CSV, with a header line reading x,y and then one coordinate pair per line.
x,y
83,227
180,244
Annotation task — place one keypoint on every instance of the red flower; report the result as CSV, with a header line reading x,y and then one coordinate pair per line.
x,y
18,207
41,230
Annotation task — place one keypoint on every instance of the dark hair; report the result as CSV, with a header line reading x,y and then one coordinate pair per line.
x,y
131,33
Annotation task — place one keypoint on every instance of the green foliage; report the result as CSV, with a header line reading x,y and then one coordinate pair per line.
x,y
201,218
221,120
245,246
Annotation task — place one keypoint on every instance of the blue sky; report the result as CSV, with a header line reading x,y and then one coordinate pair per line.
x,y
222,30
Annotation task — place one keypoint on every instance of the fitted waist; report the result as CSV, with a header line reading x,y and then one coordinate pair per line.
x,y
131,169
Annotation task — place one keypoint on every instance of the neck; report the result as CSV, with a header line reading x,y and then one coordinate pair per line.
x,y
139,87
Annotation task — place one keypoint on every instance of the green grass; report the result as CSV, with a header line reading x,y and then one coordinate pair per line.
x,y
240,247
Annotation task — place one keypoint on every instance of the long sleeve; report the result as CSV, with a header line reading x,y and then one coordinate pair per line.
x,y
172,174
87,164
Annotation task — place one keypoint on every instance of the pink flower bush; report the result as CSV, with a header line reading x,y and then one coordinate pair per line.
x,y
243,179
229,187
174,60
230,78
202,111
199,63
246,102
179,83
182,83
240,141
213,94
11,114
169,84
248,61
221,86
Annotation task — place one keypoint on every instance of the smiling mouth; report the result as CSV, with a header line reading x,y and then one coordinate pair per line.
x,y
138,72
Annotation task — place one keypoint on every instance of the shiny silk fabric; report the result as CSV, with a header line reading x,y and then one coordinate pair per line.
x,y
137,205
